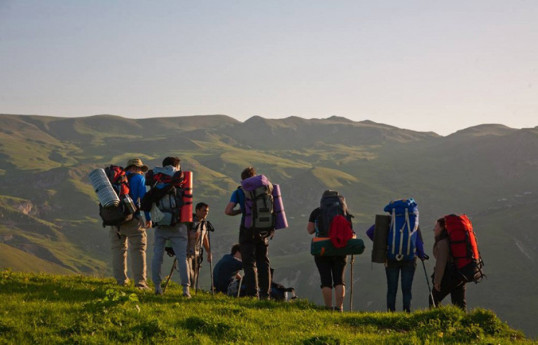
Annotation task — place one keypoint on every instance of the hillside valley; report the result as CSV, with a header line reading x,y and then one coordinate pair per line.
x,y
49,214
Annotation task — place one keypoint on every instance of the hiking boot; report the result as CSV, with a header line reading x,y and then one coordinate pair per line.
x,y
158,290
143,287
124,283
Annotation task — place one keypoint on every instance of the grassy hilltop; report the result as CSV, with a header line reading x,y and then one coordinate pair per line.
x,y
53,309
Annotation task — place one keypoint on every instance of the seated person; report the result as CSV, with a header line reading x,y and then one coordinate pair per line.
x,y
226,271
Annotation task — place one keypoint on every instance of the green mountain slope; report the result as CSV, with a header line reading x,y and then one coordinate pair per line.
x,y
48,209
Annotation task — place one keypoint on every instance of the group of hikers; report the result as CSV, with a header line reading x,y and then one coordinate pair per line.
x,y
162,198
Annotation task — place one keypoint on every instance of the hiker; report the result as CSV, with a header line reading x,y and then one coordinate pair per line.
x,y
198,239
446,279
401,260
227,270
133,231
253,239
331,268
171,227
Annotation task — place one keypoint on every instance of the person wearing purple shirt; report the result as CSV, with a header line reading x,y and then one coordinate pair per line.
x,y
407,269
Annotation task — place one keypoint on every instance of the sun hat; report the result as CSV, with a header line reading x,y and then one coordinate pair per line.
x,y
137,162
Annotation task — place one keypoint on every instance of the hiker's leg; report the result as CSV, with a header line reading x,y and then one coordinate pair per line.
x,y
324,269
339,294
157,260
338,269
408,271
458,296
247,249
136,234
327,294
392,272
248,257
191,266
179,239
263,264
118,247
439,295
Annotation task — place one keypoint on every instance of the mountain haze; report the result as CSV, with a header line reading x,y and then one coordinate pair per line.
x,y
49,219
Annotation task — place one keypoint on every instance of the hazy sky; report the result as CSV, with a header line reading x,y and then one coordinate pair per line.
x,y
424,65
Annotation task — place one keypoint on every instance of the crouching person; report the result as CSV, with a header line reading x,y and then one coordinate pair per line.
x,y
226,272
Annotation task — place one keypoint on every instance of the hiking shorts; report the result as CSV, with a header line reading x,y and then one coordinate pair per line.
x,y
331,270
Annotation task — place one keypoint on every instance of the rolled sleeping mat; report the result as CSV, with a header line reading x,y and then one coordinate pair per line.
x,y
254,182
281,222
103,188
186,208
323,246
381,233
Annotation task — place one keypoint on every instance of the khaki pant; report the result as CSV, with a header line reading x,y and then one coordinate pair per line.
x,y
131,235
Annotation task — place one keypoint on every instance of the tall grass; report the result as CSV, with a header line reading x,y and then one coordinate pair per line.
x,y
54,309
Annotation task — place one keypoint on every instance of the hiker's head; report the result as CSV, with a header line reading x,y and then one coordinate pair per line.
x,y
329,192
136,165
248,172
439,226
173,161
236,250
202,210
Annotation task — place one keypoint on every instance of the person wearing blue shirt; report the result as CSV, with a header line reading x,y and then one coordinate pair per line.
x,y
254,248
132,234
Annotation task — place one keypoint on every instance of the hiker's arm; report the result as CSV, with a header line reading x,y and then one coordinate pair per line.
x,y
311,228
229,210
440,263
370,232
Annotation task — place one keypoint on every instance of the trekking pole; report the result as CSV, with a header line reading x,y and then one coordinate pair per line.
x,y
198,256
210,263
428,282
239,288
170,275
352,261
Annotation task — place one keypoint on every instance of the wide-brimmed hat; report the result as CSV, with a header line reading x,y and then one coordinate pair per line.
x,y
137,162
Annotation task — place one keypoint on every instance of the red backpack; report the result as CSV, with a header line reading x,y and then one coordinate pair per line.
x,y
118,179
340,231
464,248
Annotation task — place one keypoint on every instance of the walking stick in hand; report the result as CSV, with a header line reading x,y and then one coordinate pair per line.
x,y
351,282
428,282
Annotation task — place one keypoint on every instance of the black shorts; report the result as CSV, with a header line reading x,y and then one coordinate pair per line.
x,y
331,270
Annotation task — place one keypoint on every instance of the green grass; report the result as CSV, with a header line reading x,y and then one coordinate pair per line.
x,y
53,309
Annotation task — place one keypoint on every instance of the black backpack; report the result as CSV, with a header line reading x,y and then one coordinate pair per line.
x,y
124,211
331,205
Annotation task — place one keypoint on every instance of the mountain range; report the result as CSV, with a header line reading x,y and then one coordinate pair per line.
x,y
49,214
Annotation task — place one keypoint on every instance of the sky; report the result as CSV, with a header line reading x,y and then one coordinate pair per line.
x,y
423,65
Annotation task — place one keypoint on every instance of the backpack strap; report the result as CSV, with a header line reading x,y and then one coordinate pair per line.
x,y
411,232
393,226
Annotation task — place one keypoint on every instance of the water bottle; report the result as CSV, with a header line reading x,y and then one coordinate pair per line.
x,y
130,207
103,188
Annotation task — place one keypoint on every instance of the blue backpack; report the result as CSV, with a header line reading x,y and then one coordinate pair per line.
x,y
401,242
